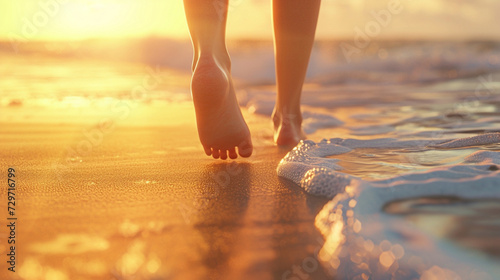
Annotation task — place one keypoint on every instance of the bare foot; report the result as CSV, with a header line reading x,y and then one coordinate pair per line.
x,y
287,129
221,126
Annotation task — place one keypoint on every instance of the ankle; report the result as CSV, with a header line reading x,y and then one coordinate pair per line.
x,y
282,117
222,59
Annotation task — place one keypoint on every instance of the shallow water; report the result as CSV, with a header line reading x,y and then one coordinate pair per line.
x,y
473,224
364,241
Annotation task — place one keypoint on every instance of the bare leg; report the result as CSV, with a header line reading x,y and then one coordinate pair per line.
x,y
221,126
294,28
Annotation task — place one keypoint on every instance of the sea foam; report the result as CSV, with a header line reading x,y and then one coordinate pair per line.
x,y
364,242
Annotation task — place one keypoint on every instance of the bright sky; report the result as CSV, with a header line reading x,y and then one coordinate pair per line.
x,y
80,19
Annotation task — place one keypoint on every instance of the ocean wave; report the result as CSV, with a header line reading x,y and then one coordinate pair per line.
x,y
361,239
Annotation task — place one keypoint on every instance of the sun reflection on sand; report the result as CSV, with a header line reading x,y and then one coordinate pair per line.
x,y
132,260
71,244
31,269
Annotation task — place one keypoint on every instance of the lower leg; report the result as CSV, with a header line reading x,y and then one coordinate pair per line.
x,y
294,23
207,25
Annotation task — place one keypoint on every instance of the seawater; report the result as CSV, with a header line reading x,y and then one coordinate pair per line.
x,y
361,240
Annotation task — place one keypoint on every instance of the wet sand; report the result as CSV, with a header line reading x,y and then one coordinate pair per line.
x,y
146,203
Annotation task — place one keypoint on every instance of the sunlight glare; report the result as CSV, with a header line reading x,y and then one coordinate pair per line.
x,y
82,19
119,18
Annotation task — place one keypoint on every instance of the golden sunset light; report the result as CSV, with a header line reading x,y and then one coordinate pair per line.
x,y
81,19
250,139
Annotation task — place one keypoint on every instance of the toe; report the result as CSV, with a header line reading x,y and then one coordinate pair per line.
x,y
232,153
245,148
208,151
215,153
223,154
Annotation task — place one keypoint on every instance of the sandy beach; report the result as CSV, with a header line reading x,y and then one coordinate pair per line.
x,y
147,203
